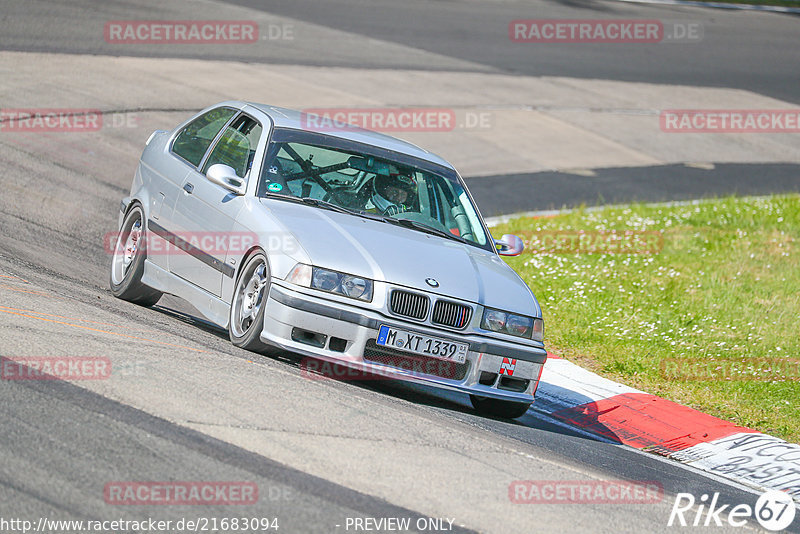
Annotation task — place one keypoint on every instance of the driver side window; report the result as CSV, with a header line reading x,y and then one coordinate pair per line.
x,y
237,146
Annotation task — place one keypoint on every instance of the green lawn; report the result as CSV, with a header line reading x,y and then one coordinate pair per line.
x,y
698,322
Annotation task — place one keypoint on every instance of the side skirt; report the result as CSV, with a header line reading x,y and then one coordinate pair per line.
x,y
213,308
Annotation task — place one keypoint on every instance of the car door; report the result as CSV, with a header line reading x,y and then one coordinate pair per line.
x,y
205,212
165,168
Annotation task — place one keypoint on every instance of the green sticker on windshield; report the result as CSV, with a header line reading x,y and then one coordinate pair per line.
x,y
274,187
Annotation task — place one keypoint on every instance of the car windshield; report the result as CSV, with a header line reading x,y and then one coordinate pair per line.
x,y
370,182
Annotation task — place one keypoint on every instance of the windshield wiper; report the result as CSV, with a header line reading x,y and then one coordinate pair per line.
x,y
408,223
313,202
325,204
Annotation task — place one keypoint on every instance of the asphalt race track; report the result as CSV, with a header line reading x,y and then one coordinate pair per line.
x,y
504,194
183,404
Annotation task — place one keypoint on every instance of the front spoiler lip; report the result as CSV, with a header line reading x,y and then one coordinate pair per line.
x,y
281,295
395,373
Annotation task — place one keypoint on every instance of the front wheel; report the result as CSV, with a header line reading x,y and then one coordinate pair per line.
x,y
127,263
246,320
499,408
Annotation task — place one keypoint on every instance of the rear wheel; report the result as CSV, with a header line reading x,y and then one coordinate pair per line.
x,y
499,408
246,319
127,263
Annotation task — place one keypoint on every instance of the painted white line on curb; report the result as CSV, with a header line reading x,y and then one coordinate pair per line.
x,y
752,459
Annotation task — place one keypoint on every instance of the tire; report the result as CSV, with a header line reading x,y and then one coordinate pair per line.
x,y
246,318
127,261
499,408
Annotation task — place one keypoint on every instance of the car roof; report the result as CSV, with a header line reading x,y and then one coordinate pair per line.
x,y
293,119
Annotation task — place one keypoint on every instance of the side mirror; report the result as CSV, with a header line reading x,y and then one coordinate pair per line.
x,y
509,245
225,176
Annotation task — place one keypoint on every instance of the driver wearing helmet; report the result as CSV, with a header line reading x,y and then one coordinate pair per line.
x,y
394,193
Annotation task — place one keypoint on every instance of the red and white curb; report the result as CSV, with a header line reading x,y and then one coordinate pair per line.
x,y
617,413
621,414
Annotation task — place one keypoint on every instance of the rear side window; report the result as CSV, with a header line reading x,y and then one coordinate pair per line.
x,y
193,141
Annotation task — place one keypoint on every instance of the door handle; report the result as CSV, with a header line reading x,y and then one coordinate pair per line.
x,y
188,187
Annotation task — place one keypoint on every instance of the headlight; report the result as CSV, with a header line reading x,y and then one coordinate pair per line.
x,y
515,325
331,281
355,287
519,325
494,320
325,280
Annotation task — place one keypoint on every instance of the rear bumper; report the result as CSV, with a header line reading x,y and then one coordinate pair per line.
x,y
344,334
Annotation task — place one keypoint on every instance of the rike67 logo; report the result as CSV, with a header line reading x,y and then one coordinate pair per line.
x,y
774,510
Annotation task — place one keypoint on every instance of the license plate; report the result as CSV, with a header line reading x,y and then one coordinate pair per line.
x,y
422,344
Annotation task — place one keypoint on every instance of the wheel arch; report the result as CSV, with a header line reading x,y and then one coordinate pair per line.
x,y
246,256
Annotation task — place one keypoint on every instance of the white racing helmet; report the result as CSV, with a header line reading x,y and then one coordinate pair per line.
x,y
394,193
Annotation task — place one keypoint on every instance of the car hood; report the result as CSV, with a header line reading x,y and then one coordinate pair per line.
x,y
404,256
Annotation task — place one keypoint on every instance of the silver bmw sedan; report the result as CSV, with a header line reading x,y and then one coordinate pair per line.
x,y
340,244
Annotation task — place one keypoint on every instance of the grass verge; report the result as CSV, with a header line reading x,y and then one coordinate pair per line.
x,y
708,319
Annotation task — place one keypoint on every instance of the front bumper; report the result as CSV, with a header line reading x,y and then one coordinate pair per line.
x,y
345,334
